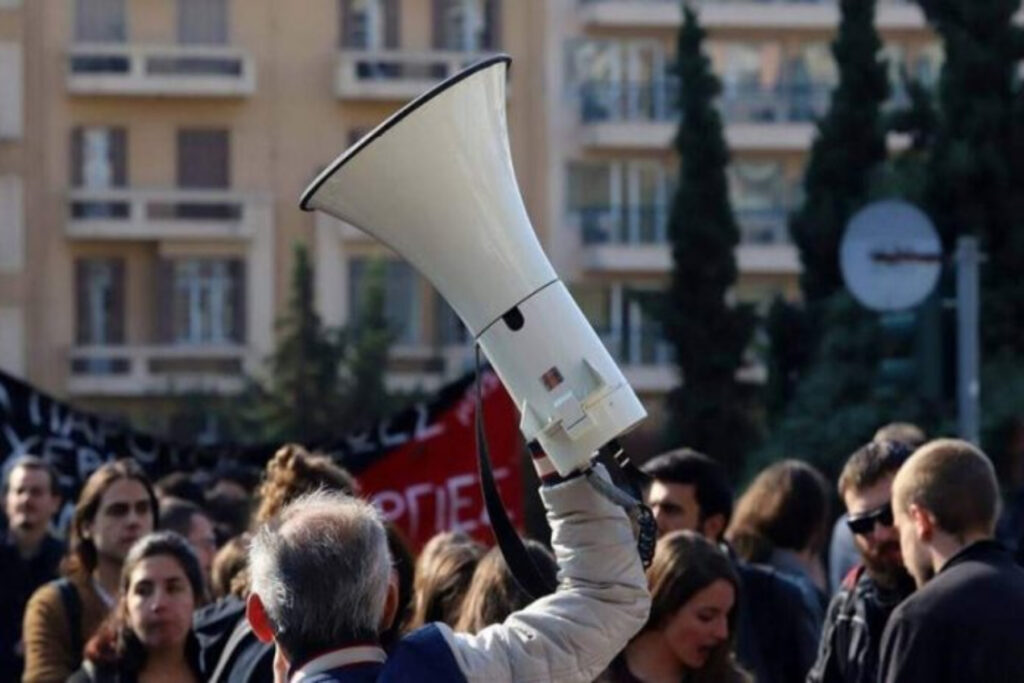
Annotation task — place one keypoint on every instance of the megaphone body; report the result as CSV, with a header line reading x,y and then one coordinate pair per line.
x,y
435,183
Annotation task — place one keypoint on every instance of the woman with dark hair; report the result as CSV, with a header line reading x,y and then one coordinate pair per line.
x,y
689,633
494,593
148,636
782,520
116,507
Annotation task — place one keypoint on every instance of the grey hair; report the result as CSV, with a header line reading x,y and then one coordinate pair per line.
x,y
321,569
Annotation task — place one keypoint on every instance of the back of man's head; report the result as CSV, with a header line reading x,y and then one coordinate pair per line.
x,y
955,482
708,478
321,570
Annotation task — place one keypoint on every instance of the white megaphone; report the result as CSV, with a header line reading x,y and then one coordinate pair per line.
x,y
435,183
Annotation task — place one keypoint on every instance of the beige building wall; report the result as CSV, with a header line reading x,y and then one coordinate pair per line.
x,y
297,101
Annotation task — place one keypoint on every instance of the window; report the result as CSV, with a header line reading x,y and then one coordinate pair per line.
x,y
450,330
100,21
401,297
99,296
98,162
624,202
467,25
204,159
202,22
207,300
369,24
11,91
758,192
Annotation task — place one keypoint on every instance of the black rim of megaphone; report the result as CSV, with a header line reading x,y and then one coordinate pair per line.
x,y
395,119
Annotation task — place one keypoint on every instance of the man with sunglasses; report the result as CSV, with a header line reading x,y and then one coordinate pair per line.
x,y
871,591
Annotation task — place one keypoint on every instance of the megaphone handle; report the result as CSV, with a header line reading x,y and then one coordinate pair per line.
x,y
519,562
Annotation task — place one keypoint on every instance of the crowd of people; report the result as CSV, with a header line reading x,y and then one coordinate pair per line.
x,y
294,576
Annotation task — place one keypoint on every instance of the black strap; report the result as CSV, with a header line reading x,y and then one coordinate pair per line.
x,y
520,564
73,610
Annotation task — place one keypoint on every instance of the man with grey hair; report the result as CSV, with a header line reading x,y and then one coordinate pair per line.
x,y
966,621
323,590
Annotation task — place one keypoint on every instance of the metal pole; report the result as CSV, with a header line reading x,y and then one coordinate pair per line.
x,y
968,384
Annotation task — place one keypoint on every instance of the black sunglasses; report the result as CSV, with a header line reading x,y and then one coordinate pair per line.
x,y
864,523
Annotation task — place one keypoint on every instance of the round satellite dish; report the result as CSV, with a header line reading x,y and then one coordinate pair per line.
x,y
890,256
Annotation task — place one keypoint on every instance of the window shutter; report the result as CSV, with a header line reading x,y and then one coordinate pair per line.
x,y
392,19
83,331
119,156
238,328
116,314
76,156
164,301
493,26
345,29
440,32
204,159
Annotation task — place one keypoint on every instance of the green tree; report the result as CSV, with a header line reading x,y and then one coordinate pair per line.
x,y
850,143
710,411
366,355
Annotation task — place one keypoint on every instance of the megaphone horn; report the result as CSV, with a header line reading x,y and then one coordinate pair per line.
x,y
435,183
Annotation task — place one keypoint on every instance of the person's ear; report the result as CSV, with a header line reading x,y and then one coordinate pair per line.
x,y
713,527
923,521
256,613
390,604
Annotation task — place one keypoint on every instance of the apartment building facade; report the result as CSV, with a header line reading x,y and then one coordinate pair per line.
x,y
152,152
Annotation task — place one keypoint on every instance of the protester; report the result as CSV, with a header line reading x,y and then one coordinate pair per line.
x,y
781,521
189,521
29,555
869,593
323,630
966,621
117,506
689,633
179,486
444,570
776,636
229,649
229,562
494,593
843,553
148,636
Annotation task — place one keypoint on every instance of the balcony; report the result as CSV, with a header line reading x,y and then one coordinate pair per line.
x,y
160,71
632,240
156,370
770,15
395,74
143,214
646,115
644,358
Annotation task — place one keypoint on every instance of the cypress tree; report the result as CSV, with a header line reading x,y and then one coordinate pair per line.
x,y
710,410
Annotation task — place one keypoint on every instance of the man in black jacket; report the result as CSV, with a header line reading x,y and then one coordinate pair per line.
x,y
776,632
966,621
857,614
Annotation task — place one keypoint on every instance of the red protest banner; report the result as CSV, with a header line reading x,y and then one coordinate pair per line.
x,y
430,483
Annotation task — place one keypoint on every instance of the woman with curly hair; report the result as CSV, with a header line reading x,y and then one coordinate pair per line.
x,y
690,631
148,636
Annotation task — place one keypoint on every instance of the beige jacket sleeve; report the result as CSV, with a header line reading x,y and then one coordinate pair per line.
x,y
47,638
601,602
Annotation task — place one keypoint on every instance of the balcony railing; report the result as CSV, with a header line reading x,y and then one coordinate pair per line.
x,y
156,370
176,70
395,74
657,101
642,345
161,214
636,225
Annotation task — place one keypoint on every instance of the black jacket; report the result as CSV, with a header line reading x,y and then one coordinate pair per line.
x,y
966,625
853,629
20,578
246,658
777,635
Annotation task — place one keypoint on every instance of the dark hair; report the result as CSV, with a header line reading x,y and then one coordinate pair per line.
x,y
181,486
176,515
708,478
953,480
686,563
115,643
444,571
82,557
786,506
33,462
404,563
494,593
231,560
906,433
871,463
